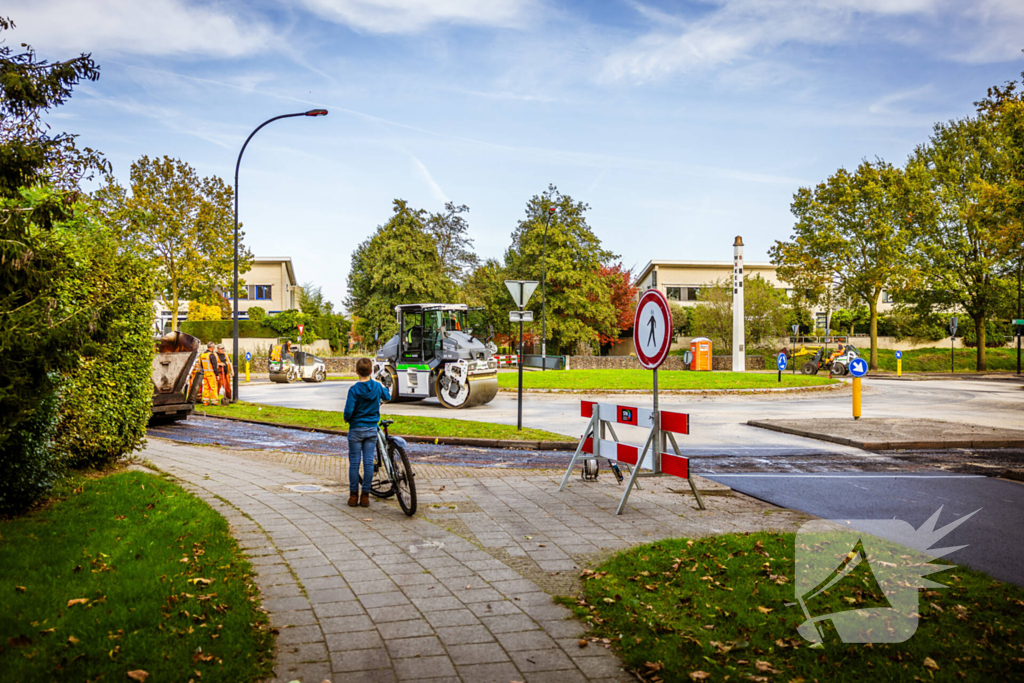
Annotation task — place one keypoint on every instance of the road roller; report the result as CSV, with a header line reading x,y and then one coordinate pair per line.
x,y
287,363
436,354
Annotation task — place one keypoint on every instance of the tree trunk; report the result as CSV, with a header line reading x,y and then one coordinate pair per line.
x,y
873,308
174,312
979,334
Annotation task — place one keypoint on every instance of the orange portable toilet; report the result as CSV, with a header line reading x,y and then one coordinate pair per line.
x,y
700,347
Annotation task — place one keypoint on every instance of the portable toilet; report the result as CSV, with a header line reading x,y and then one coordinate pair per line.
x,y
700,347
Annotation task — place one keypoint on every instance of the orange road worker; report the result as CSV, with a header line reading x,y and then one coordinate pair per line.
x,y
208,366
226,371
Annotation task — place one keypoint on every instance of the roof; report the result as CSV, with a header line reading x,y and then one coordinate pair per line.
x,y
432,307
698,264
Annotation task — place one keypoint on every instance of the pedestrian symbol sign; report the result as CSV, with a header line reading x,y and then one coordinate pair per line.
x,y
899,354
858,367
652,329
780,362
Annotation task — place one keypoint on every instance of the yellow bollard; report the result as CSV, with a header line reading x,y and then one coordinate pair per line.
x,y
899,367
247,371
856,398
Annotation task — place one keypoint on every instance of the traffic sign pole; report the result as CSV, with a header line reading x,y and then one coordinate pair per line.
x,y
899,367
856,398
519,421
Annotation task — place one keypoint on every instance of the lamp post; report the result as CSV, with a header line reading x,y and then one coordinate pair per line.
x,y
234,355
544,296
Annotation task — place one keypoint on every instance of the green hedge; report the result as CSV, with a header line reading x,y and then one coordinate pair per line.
x,y
217,330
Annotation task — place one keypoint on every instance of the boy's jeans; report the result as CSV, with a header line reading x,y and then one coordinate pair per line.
x,y
362,443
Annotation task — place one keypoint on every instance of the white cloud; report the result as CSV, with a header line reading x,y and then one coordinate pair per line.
x,y
412,16
737,31
149,27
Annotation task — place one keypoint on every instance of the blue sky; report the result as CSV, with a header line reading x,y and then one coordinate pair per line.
x,y
682,124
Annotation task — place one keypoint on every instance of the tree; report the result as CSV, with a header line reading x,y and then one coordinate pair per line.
x,y
485,288
181,223
764,308
334,327
579,306
849,240
450,233
398,264
623,299
959,243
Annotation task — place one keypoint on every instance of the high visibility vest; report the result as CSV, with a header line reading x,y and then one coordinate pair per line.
x,y
204,362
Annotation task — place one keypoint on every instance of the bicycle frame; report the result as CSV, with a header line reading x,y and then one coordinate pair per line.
x,y
382,452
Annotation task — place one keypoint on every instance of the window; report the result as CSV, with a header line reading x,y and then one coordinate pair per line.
x,y
674,293
654,278
819,320
682,293
886,297
692,293
260,292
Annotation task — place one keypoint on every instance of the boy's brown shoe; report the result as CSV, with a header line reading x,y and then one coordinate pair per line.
x,y
364,501
353,500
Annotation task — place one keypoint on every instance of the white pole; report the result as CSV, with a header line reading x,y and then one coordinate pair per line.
x,y
739,354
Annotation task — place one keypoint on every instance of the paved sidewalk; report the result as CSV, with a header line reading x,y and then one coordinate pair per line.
x,y
462,591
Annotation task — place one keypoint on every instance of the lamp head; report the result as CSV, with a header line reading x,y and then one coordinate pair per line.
x,y
316,112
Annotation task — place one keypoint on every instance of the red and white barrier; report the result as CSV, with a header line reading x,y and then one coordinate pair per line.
x,y
507,360
651,457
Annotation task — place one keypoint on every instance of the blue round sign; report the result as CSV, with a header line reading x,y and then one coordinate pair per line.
x,y
858,367
781,361
899,354
248,356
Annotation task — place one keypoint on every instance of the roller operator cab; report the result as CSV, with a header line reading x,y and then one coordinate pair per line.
x,y
436,354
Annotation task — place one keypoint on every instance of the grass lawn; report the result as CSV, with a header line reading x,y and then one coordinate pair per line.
x,y
937,359
614,380
127,573
405,425
714,609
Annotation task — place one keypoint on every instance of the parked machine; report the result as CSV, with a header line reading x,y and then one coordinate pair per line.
x,y
436,354
174,392
821,359
288,363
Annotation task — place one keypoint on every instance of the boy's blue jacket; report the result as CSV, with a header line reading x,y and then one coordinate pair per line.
x,y
362,407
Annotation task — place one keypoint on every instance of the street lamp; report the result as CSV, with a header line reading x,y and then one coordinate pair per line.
x,y
544,297
311,112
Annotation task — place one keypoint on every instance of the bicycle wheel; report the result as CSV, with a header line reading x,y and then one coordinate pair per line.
x,y
405,484
381,486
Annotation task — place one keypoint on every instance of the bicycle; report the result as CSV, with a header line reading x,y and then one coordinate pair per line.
x,y
392,474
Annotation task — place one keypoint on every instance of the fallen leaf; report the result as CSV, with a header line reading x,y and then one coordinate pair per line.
x,y
699,675
20,641
929,663
581,642
368,519
20,589
49,630
654,666
73,641
765,667
764,610
77,601
138,675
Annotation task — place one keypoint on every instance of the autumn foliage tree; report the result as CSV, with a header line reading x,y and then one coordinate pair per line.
x,y
623,299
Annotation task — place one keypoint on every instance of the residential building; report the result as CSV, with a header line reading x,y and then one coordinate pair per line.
x,y
269,284
681,281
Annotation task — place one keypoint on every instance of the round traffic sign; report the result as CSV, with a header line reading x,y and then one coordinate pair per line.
x,y
248,355
652,329
899,354
687,357
858,367
781,361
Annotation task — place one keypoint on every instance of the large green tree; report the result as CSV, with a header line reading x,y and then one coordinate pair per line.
x,y
450,232
181,223
398,264
850,239
579,297
485,289
960,246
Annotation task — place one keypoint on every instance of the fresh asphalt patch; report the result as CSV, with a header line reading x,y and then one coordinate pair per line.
x,y
992,538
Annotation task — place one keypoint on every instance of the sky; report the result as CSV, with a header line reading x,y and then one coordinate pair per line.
x,y
681,124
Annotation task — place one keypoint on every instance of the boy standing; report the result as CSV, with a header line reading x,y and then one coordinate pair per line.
x,y
362,412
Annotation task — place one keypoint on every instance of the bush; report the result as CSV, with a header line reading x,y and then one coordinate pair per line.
x,y
106,401
217,330
200,311
257,314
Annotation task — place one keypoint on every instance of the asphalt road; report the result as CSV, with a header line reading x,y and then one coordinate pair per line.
x,y
994,537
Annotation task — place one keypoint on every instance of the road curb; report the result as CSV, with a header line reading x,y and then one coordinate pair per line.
x,y
439,440
682,392
891,446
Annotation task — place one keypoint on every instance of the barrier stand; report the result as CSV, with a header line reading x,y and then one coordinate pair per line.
x,y
651,456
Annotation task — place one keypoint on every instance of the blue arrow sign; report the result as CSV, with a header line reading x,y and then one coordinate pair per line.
x,y
858,367
781,361
248,356
899,354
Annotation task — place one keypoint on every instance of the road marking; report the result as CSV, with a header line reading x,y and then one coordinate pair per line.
x,y
856,476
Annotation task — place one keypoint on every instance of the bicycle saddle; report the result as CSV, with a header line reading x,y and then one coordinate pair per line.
x,y
385,423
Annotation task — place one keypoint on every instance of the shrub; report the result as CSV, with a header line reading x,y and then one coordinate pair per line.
x,y
217,330
257,314
199,311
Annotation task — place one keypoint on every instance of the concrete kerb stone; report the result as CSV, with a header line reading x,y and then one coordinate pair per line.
x,y
357,604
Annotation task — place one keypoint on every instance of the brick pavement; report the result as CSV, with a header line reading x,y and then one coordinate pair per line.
x,y
460,592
